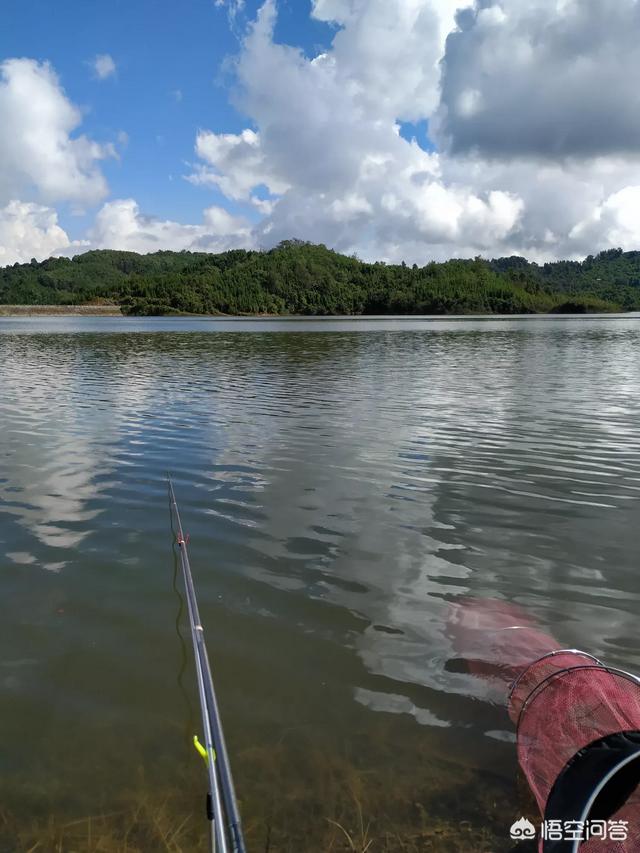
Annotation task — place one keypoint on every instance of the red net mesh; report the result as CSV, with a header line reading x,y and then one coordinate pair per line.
x,y
535,673
561,704
561,701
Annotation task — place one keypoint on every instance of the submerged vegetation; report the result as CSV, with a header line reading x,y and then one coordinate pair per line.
x,y
308,279
324,804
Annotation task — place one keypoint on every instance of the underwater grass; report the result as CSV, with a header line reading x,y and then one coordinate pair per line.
x,y
296,797
147,828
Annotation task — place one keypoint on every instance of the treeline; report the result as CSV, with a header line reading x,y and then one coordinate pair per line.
x,y
613,276
303,278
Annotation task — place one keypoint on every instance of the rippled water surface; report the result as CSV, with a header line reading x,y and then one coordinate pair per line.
x,y
342,484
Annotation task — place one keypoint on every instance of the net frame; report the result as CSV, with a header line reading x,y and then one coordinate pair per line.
x,y
610,670
596,663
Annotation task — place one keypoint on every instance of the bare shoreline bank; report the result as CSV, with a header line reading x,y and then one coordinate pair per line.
x,y
8,311
60,310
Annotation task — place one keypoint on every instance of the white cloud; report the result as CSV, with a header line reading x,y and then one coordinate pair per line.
x,y
558,198
387,53
119,224
330,152
29,231
104,66
326,144
235,163
616,220
233,7
38,153
533,104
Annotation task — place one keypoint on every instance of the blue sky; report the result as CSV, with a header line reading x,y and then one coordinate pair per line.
x,y
396,129
169,81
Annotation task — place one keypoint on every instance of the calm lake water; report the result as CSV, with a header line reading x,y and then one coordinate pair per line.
x,y
342,483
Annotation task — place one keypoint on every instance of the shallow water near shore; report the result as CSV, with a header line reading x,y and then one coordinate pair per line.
x,y
342,482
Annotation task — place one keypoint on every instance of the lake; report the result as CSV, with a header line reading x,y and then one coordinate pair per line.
x,y
342,482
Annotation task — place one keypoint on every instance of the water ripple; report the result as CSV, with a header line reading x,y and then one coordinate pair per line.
x,y
340,489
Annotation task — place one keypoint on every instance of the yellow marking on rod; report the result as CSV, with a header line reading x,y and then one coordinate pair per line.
x,y
203,752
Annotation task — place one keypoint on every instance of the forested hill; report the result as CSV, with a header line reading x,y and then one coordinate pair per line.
x,y
303,278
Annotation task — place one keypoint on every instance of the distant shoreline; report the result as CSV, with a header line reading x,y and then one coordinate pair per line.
x,y
60,310
114,311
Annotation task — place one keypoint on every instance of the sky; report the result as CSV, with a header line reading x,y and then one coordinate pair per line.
x,y
412,130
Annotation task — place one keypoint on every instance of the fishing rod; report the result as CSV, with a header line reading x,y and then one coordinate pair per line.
x,y
222,807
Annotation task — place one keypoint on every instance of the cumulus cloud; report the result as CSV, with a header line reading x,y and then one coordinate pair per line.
x,y
120,224
543,77
557,196
104,66
531,105
29,231
329,151
616,220
38,151
235,163
388,53
502,87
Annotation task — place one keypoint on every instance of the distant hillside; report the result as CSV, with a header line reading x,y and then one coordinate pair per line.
x,y
303,278
613,275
